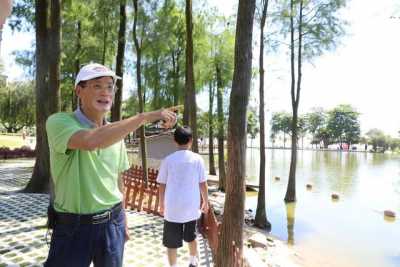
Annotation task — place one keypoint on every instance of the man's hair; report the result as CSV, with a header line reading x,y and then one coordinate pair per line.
x,y
183,135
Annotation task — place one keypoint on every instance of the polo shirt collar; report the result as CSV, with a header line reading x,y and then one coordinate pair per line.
x,y
81,117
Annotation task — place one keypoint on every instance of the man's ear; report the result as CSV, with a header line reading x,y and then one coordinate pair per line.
x,y
78,89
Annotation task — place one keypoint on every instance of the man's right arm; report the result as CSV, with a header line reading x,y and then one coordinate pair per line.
x,y
112,133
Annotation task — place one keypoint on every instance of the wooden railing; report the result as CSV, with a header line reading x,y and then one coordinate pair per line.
x,y
142,197
209,227
139,195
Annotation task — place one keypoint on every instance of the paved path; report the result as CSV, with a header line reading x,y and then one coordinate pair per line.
x,y
23,235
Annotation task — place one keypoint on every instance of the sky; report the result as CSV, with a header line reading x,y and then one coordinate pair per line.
x,y
363,70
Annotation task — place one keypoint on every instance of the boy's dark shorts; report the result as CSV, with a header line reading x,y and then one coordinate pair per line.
x,y
174,233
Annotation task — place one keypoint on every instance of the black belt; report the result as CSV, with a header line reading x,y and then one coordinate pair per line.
x,y
96,218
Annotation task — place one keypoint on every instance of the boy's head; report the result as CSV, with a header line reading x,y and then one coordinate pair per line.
x,y
183,135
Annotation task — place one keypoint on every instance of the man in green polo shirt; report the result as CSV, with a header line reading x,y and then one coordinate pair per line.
x,y
87,155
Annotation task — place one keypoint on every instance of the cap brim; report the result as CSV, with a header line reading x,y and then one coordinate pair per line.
x,y
97,75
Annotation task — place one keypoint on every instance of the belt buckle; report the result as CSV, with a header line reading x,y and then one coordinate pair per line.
x,y
101,218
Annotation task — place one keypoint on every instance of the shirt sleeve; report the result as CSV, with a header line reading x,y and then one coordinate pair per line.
x,y
202,171
60,127
123,161
163,173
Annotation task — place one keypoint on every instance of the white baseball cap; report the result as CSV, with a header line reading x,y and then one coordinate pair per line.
x,y
94,70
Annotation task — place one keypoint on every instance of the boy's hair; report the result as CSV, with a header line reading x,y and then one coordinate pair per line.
x,y
183,135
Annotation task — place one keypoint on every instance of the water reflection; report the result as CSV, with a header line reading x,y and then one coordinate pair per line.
x,y
367,185
290,217
342,168
376,159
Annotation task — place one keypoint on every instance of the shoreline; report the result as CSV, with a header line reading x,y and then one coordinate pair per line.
x,y
259,246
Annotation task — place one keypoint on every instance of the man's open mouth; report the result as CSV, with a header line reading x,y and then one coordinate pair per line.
x,y
103,102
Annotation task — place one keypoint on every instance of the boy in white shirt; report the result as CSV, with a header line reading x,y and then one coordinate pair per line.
x,y
182,179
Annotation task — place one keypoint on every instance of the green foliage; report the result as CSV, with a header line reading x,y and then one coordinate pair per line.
x,y
394,143
323,135
89,31
17,106
340,125
130,106
302,126
377,139
22,16
380,141
321,24
343,124
280,123
163,53
202,124
253,127
315,124
26,59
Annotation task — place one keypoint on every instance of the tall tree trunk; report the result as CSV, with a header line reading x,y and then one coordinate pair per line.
x,y
103,57
157,87
221,151
116,108
231,239
41,171
48,42
175,67
291,189
74,99
186,109
54,66
211,130
190,89
261,220
54,56
140,91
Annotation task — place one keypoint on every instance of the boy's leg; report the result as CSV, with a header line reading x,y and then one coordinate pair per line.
x,y
194,258
189,235
172,255
172,240
193,248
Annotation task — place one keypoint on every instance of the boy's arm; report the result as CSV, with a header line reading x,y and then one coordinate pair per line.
x,y
204,195
161,192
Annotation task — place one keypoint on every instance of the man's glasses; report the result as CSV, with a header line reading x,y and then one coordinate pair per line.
x,y
109,88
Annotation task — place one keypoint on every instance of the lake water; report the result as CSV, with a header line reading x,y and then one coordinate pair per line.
x,y
349,232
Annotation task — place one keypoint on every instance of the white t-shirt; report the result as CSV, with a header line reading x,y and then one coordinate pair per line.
x,y
182,172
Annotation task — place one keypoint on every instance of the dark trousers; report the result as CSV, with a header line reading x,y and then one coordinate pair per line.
x,y
77,245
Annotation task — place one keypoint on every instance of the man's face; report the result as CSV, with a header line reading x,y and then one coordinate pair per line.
x,y
97,94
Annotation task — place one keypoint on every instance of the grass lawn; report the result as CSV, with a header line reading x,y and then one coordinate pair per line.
x,y
11,141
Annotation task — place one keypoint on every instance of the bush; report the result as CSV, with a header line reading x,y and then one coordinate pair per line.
x,y
22,152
